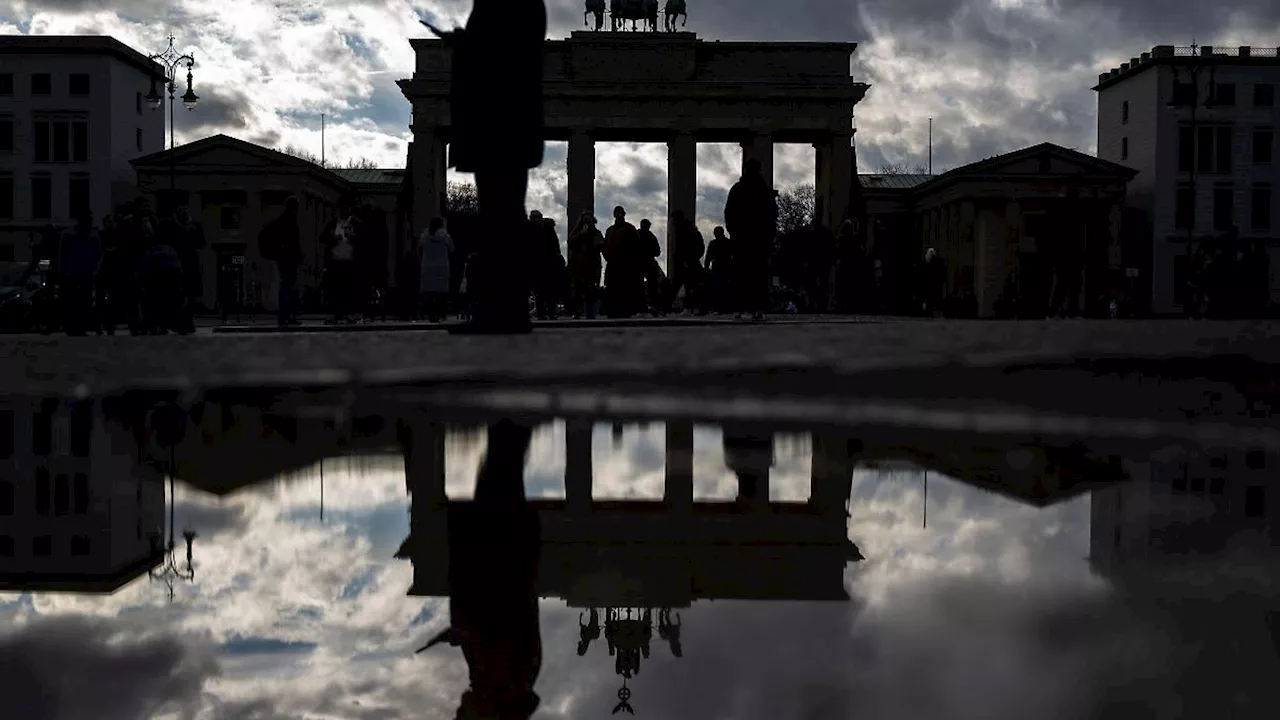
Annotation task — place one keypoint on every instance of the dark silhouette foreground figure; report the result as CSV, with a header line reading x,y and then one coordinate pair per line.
x,y
494,547
496,102
751,217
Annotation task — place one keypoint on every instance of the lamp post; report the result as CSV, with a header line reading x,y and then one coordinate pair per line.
x,y
1193,68
170,60
170,571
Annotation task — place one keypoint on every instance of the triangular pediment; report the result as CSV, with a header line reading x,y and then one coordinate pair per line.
x,y
223,150
1044,159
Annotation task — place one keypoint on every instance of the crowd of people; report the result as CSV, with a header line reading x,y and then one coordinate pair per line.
x,y
138,270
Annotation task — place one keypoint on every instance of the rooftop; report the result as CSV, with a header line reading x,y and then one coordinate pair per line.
x,y
371,176
1198,54
77,44
877,181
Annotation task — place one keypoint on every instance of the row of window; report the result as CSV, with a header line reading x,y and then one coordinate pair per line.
x,y
77,190
40,84
1221,94
61,495
42,546
80,427
1209,149
1224,211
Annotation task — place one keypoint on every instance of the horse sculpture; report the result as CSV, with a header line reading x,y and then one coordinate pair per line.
x,y
671,10
595,7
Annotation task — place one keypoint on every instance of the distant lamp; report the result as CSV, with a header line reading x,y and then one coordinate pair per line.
x,y
189,99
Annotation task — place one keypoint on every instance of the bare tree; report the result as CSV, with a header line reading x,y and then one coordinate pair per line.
x,y
902,168
461,199
305,155
795,207
362,163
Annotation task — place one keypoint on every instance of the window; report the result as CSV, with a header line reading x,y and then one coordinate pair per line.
x,y
80,141
79,545
77,200
1204,149
6,546
1263,142
80,494
41,84
1264,95
1255,501
43,491
1255,460
1223,208
137,102
1184,211
230,217
1124,148
81,412
42,430
6,83
1180,483
7,491
1224,94
1197,484
137,137
6,134
1186,149
1224,149
42,545
6,428
1260,207
1184,94
61,495
6,203
78,84
1124,113
1217,485
41,198
63,137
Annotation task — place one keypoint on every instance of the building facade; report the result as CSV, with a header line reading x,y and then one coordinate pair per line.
x,y
1007,227
1198,124
72,116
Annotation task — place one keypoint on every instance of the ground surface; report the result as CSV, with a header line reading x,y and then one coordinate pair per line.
x,y
56,364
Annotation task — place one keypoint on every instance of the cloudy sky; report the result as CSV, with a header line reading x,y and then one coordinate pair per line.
x,y
989,612
995,75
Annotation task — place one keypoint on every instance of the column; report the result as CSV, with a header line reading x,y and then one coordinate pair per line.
x,y
760,147
831,479
822,184
577,466
257,268
678,487
424,464
682,184
428,153
582,177
839,162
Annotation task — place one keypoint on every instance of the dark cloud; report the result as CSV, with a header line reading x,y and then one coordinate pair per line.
x,y
73,668
209,520
221,109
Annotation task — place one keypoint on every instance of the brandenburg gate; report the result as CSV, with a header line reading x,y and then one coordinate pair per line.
x,y
662,87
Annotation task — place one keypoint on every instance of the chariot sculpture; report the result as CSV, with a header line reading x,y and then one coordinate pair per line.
x,y
643,14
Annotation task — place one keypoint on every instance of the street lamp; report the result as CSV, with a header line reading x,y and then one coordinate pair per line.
x,y
170,60
169,572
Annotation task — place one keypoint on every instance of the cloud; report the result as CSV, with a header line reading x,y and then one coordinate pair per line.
x,y
74,668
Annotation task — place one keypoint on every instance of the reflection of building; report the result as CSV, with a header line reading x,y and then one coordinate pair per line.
x,y
78,514
1177,505
660,553
71,117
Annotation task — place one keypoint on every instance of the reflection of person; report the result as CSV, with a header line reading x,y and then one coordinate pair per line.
x,y
494,547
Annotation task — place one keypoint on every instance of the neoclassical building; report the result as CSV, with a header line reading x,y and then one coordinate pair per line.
x,y
662,87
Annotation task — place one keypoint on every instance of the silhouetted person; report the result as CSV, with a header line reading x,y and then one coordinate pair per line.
x,y
720,267
494,548
81,261
935,283
280,242
654,296
186,237
371,261
686,268
751,217
624,274
435,248
497,121
160,277
548,266
585,264
820,266
339,239
115,279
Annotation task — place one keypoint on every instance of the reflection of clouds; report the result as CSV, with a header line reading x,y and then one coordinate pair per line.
x,y
311,618
82,668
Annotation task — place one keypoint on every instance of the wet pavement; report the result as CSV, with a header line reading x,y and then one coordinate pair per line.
x,y
949,520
